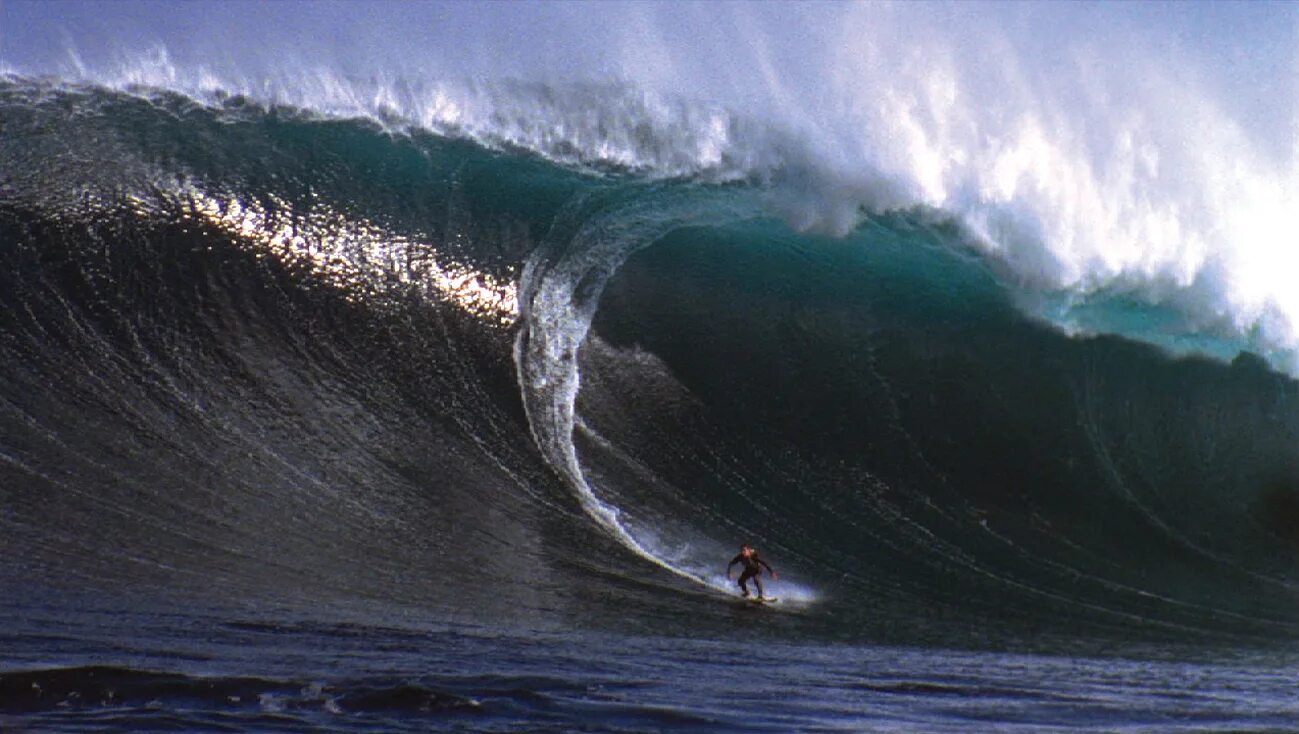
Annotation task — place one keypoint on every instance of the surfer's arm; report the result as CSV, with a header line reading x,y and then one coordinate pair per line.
x,y
766,565
734,561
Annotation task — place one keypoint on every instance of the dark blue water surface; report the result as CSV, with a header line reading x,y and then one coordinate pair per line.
x,y
83,667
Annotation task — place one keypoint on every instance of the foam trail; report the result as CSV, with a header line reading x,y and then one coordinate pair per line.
x,y
561,287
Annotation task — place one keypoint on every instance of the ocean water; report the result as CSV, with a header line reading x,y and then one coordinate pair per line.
x,y
170,669
345,402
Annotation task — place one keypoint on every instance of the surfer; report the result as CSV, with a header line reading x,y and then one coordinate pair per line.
x,y
752,569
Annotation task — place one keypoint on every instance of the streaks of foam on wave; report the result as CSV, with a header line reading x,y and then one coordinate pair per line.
x,y
560,291
556,318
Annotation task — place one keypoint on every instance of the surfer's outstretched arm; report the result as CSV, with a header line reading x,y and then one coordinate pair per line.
x,y
765,565
734,561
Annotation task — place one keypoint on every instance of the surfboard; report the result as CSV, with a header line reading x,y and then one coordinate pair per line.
x,y
759,600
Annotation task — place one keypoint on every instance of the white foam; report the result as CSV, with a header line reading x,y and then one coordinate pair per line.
x,y
1129,152
1122,153
554,323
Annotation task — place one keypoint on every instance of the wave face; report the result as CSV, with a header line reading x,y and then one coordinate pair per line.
x,y
262,352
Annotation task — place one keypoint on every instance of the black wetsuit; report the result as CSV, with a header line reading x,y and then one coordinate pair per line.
x,y
752,570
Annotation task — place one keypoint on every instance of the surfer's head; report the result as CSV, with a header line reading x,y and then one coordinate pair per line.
x,y
746,550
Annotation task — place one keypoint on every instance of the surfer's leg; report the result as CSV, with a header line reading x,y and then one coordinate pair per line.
x,y
744,583
757,581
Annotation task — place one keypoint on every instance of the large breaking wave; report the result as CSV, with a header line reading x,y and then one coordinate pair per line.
x,y
544,354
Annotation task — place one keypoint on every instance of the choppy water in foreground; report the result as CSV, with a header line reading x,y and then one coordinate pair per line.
x,y
97,670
